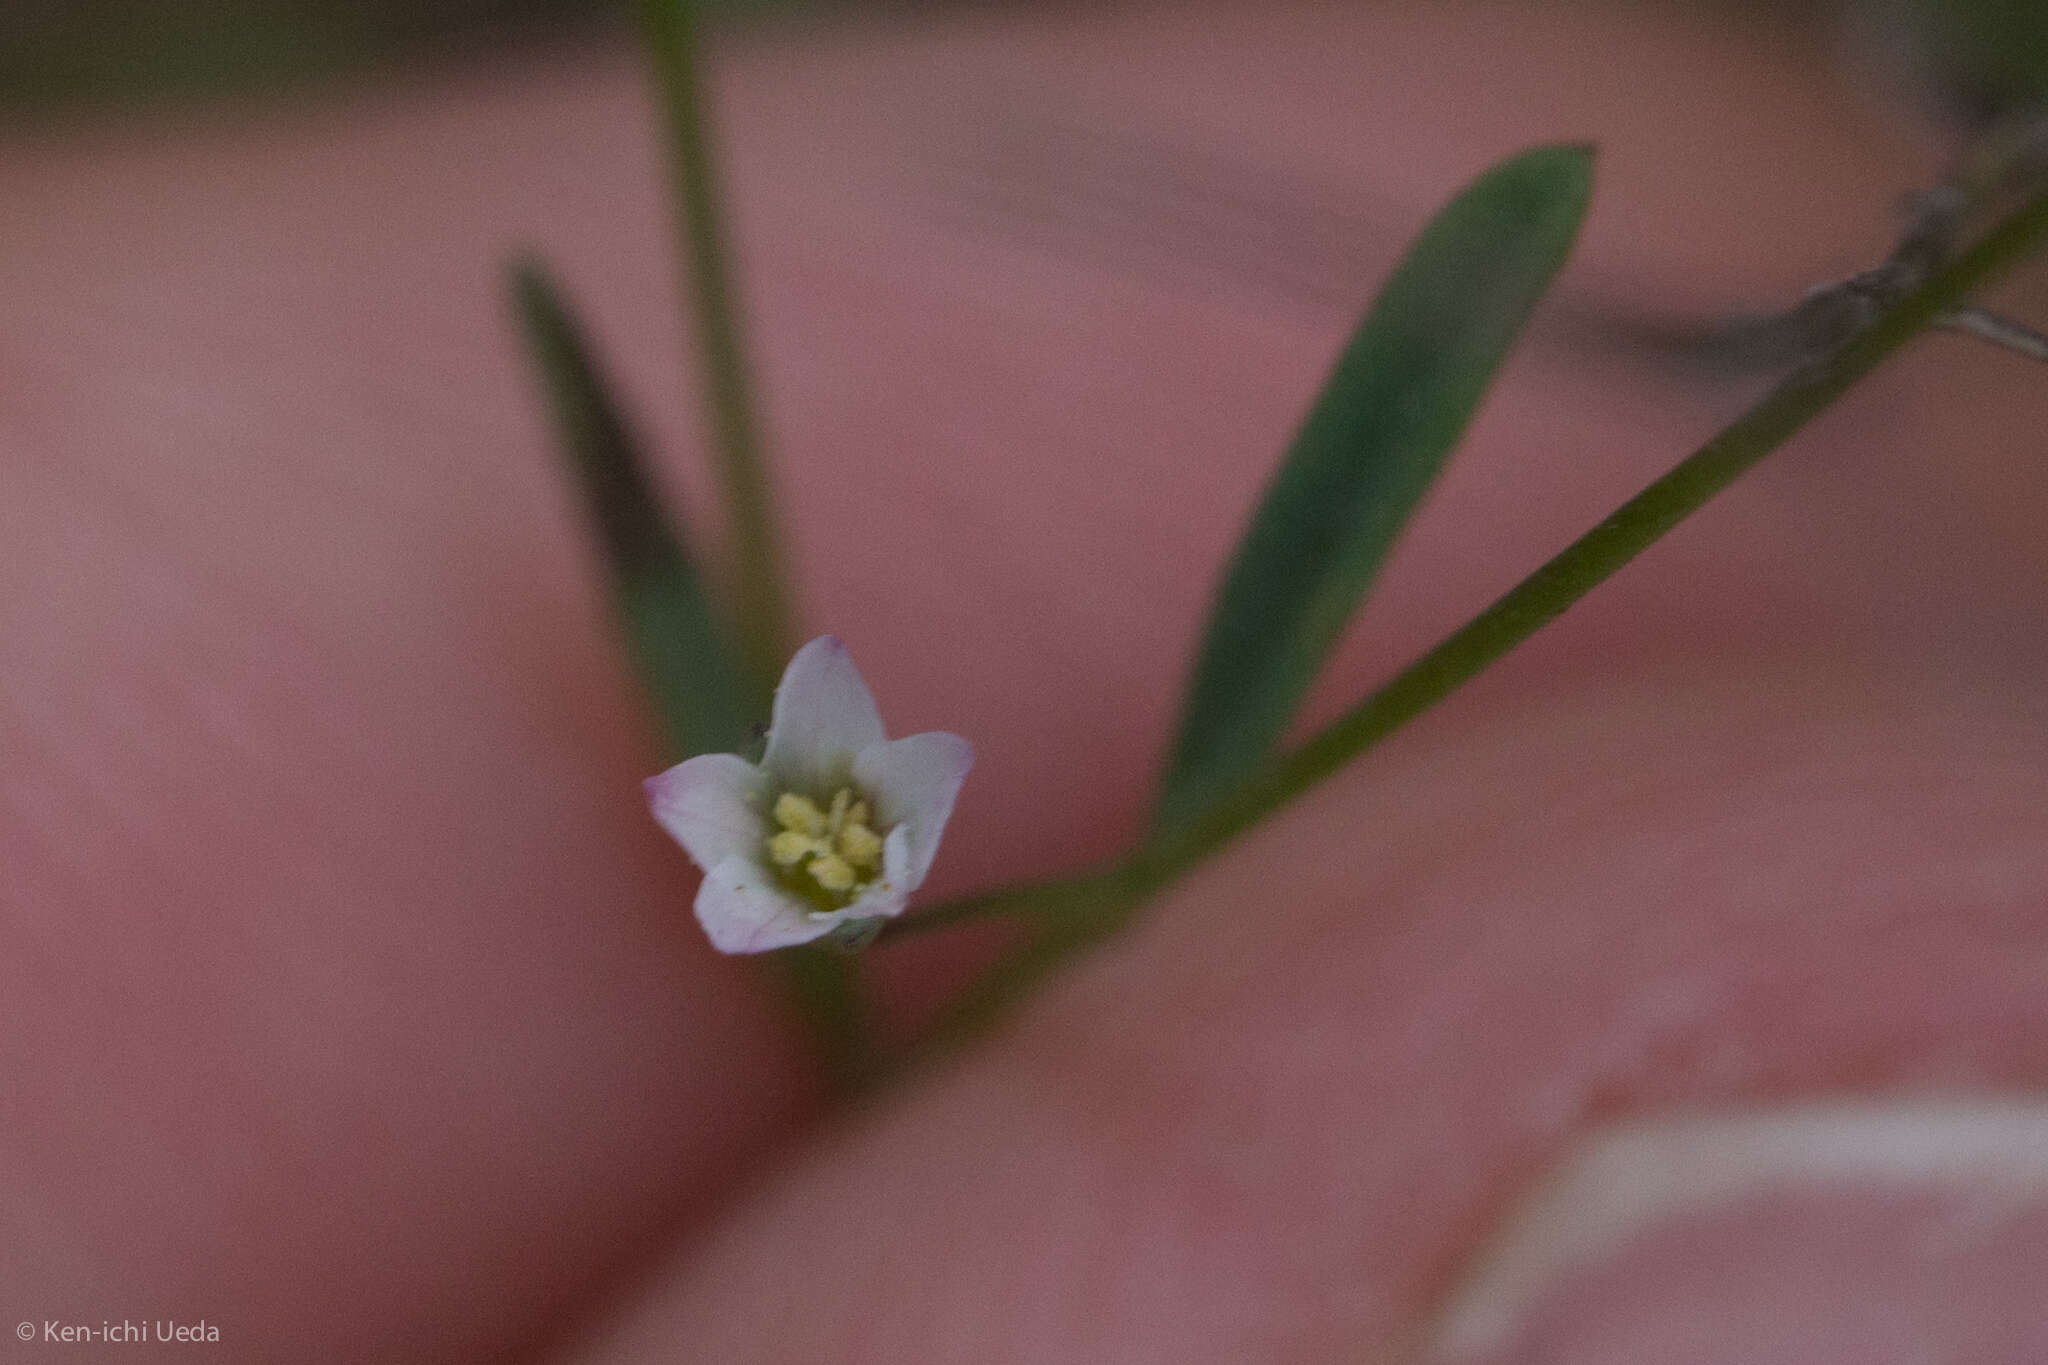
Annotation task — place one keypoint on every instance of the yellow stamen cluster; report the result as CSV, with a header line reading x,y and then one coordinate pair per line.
x,y
836,847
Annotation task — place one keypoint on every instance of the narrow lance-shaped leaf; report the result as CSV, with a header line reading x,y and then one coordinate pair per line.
x,y
706,697
1401,395
685,661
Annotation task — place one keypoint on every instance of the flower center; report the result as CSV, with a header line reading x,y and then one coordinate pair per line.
x,y
829,856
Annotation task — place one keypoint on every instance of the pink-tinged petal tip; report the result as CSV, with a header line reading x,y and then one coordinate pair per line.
x,y
711,805
824,715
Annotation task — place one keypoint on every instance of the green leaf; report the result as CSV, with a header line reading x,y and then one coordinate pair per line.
x,y
1401,395
685,659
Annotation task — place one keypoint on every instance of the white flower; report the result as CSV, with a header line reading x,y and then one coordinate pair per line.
x,y
836,826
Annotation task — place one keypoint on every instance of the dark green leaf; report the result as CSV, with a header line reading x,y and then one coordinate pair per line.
x,y
1401,395
676,639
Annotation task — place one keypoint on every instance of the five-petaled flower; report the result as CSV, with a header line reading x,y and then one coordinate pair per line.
x,y
836,826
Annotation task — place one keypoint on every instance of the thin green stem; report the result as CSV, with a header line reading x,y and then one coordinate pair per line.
x,y
825,984
761,605
1594,557
1064,915
1026,899
826,987
1075,912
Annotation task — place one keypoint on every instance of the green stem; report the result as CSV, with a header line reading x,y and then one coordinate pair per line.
x,y
826,986
761,604
1594,557
1050,897
1065,915
1076,911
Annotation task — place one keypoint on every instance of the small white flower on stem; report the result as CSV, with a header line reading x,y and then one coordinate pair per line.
x,y
836,826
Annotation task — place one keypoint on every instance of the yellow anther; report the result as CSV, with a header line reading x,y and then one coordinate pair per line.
x,y
836,848
832,873
799,814
791,847
859,845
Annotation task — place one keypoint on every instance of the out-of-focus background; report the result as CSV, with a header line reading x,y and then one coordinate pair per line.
x,y
1982,55
349,999
66,52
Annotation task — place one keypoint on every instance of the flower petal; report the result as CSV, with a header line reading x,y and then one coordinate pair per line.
x,y
710,805
744,911
823,716
913,782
